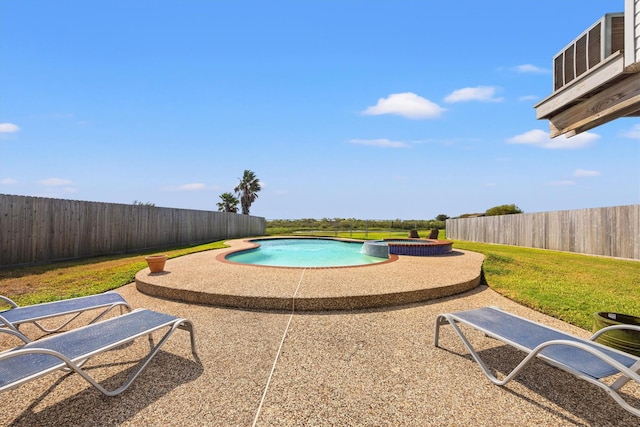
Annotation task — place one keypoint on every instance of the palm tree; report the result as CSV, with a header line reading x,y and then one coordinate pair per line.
x,y
229,203
247,189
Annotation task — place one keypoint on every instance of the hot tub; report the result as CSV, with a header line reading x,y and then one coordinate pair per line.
x,y
412,247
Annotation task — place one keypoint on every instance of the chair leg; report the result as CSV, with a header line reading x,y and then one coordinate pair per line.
x,y
108,309
620,382
181,323
56,329
445,318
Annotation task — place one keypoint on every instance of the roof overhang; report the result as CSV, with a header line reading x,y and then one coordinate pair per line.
x,y
606,93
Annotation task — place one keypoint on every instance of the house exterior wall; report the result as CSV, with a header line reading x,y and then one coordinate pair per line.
x,y
632,35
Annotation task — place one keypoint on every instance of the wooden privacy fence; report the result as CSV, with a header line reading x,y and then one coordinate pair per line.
x,y
37,229
612,231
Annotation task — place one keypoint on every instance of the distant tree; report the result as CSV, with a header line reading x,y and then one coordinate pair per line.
x,y
442,217
247,189
437,224
471,215
228,203
137,203
503,210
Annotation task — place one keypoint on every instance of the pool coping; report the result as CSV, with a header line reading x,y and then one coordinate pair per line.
x,y
205,278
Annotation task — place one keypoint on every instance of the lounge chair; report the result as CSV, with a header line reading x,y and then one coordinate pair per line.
x,y
15,316
70,350
583,358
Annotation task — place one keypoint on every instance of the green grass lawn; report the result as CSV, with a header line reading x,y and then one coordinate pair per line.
x,y
69,279
567,286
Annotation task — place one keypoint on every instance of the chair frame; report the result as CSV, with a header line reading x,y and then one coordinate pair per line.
x,y
15,316
629,370
72,359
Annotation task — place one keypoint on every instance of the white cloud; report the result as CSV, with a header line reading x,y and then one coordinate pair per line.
x,y
585,172
541,139
479,93
563,183
9,128
528,98
528,68
634,133
60,187
193,186
55,182
535,137
8,181
581,140
407,105
380,143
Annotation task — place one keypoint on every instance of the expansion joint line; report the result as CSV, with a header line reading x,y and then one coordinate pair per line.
x,y
275,361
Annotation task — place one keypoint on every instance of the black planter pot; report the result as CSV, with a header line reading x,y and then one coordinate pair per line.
x,y
627,341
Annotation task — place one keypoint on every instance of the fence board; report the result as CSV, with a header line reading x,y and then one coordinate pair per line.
x,y
610,231
37,229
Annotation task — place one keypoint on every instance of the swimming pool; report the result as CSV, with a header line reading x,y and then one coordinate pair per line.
x,y
304,252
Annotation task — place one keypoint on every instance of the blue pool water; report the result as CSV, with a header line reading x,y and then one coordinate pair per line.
x,y
304,253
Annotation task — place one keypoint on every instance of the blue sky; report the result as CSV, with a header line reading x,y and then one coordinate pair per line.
x,y
365,109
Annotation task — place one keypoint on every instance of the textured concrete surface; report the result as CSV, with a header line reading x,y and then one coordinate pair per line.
x,y
374,367
207,278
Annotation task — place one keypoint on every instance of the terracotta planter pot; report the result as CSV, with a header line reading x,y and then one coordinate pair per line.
x,y
628,341
156,262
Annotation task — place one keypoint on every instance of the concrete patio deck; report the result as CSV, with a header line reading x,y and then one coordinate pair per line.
x,y
207,278
368,367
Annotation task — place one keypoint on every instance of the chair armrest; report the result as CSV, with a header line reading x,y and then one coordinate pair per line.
x,y
8,301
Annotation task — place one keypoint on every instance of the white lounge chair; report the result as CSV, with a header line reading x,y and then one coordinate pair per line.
x,y
70,350
16,315
583,358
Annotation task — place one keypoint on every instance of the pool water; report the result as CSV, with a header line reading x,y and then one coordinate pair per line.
x,y
304,253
